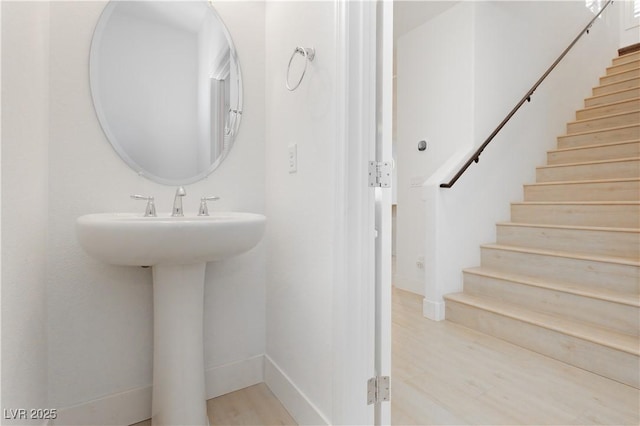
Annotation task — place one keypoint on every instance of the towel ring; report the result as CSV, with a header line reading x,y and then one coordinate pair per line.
x,y
308,53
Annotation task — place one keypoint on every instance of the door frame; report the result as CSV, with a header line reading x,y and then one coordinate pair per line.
x,y
361,337
383,197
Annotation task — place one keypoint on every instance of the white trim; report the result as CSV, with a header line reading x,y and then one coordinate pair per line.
x,y
353,307
629,24
123,408
134,405
294,400
433,310
234,376
384,123
410,284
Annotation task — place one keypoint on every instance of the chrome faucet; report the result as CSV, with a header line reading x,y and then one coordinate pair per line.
x,y
177,202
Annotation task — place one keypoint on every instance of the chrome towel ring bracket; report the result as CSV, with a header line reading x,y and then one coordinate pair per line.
x,y
308,53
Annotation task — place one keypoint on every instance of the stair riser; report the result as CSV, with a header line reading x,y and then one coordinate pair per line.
x,y
624,119
612,97
623,67
610,170
620,75
596,153
626,58
587,191
586,273
604,313
610,109
598,137
602,360
616,87
618,215
624,244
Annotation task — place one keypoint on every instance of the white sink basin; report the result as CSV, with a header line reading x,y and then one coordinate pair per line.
x,y
131,239
177,248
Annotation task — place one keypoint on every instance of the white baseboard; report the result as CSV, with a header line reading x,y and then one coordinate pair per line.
x,y
234,376
133,406
293,399
408,284
433,310
123,408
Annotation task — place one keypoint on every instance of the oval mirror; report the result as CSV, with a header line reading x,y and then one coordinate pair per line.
x,y
166,87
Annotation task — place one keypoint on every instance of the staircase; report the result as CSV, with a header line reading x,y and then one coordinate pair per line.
x,y
563,278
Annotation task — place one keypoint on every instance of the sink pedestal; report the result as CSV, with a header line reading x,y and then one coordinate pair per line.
x,y
178,350
178,249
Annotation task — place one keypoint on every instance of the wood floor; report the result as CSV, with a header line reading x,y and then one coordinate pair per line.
x,y
446,374
255,405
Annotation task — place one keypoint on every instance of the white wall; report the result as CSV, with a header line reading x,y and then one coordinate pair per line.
x,y
24,205
300,207
514,42
99,317
435,103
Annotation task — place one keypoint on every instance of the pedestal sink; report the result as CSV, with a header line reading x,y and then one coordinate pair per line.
x,y
177,249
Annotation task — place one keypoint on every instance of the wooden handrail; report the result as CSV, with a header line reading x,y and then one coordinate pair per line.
x,y
526,98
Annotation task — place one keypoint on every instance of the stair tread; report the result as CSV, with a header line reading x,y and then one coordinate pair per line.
x,y
607,129
617,73
565,182
600,293
599,335
587,163
637,89
626,55
599,145
580,203
576,227
612,67
601,117
616,82
609,104
565,254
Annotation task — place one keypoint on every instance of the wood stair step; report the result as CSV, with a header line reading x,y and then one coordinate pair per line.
x,y
609,109
602,351
605,214
563,278
620,75
601,241
614,69
608,151
600,136
631,48
590,170
623,59
612,97
604,122
586,190
593,306
587,271
616,86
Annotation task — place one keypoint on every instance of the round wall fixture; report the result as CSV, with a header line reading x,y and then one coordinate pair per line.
x,y
422,145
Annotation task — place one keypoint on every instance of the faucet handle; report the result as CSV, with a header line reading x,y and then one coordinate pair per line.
x,y
150,210
204,210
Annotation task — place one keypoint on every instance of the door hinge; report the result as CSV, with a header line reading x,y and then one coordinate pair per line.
x,y
380,174
378,390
